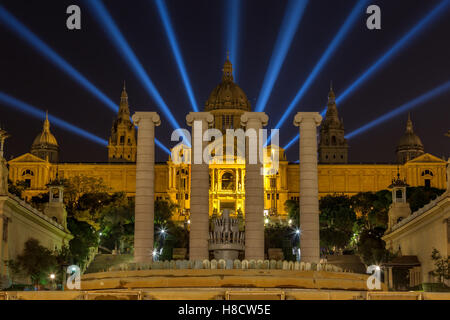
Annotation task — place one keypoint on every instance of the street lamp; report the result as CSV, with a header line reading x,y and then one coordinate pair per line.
x,y
52,277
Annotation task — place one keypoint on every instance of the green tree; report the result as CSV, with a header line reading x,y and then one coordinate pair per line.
x,y
278,235
337,220
40,200
77,186
441,271
37,262
117,224
85,237
18,188
371,248
420,196
14,269
293,209
168,235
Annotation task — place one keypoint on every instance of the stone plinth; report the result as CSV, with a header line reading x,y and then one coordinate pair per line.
x,y
199,230
309,191
145,185
254,191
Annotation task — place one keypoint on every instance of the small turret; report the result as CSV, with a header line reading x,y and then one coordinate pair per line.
x,y
122,142
409,146
333,146
55,207
399,208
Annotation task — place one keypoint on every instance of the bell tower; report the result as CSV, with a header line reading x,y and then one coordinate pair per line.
x,y
399,208
55,207
333,147
122,142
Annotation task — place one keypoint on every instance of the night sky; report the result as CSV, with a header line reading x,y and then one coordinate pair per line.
x,y
201,28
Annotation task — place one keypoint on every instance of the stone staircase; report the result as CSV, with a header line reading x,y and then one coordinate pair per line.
x,y
102,262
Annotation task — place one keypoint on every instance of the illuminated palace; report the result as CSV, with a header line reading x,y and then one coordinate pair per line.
x,y
226,103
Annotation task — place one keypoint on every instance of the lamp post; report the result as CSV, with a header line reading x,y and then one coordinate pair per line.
x,y
52,278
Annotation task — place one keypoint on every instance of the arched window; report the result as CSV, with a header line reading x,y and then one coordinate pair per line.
x,y
333,140
399,194
427,172
27,172
227,181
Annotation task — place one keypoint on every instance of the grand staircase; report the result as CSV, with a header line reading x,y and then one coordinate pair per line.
x,y
102,262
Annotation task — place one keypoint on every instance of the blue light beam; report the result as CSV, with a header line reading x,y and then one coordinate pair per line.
x,y
165,20
48,53
291,20
113,32
356,13
37,113
404,107
232,28
162,146
387,116
385,58
290,143
404,41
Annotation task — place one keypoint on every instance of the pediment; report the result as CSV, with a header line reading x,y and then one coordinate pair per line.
x,y
27,157
428,158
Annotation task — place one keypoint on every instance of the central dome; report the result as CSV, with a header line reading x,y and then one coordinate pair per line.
x,y
227,95
45,138
410,139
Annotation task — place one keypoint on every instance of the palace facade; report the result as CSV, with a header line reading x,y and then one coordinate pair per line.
x,y
227,102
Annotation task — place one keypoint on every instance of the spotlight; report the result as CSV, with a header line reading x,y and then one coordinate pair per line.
x,y
292,16
108,24
411,104
405,40
297,231
24,33
266,221
162,146
232,27
52,276
356,13
30,38
290,143
165,19
33,111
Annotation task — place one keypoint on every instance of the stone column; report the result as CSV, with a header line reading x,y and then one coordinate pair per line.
x,y
145,185
309,191
254,191
199,230
448,175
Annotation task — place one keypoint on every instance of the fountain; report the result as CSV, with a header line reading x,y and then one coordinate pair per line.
x,y
226,241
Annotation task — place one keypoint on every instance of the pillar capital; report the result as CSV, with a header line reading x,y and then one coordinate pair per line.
x,y
254,119
302,117
199,116
146,116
